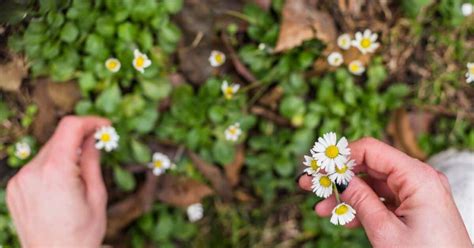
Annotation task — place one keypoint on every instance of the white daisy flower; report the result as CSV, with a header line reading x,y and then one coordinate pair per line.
x,y
343,175
329,153
195,212
233,132
470,73
322,185
335,59
107,139
217,58
160,163
312,165
22,150
140,61
342,214
229,90
467,9
356,67
112,64
344,41
367,42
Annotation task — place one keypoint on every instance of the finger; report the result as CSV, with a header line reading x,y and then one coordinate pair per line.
x,y
444,180
70,134
403,173
370,211
305,182
91,173
382,190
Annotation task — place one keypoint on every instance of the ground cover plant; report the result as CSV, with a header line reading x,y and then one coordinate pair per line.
x,y
214,104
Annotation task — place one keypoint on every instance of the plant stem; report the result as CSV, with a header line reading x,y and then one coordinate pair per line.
x,y
336,193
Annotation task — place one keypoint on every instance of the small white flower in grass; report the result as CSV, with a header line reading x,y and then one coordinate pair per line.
x,y
367,42
22,150
343,175
217,58
356,67
233,132
344,41
329,153
195,212
106,138
342,214
160,163
467,9
140,61
229,90
335,59
470,73
312,165
322,185
112,64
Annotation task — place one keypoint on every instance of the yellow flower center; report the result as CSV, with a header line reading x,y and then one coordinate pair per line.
x,y
314,165
105,137
325,181
140,61
354,67
471,70
219,58
365,43
233,131
332,151
229,92
341,210
341,171
158,164
24,154
112,64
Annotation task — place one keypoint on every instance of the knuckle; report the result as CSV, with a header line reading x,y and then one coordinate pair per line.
x,y
69,120
369,140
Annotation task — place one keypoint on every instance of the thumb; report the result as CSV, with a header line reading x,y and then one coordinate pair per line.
x,y
92,174
370,210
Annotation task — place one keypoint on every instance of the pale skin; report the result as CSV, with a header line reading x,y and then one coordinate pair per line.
x,y
59,198
419,210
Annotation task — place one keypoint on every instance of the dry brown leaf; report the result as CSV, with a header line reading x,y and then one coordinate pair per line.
x,y
404,137
125,212
181,191
302,22
12,73
64,95
46,119
214,175
272,98
232,170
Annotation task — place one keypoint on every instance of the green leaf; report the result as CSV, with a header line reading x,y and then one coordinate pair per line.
x,y
413,7
87,81
109,99
4,112
105,26
291,106
173,6
83,107
124,179
144,122
95,46
141,152
223,152
156,90
127,31
69,32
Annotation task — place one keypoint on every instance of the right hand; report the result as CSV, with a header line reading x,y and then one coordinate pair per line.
x,y
419,211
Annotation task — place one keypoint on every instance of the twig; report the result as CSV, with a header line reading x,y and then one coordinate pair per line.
x,y
239,66
269,115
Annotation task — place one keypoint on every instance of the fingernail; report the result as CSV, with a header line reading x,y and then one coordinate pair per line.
x,y
341,187
297,179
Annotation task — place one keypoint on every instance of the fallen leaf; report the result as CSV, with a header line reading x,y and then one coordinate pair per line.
x,y
64,95
181,191
232,170
214,175
46,118
12,73
126,211
302,22
269,115
403,134
272,98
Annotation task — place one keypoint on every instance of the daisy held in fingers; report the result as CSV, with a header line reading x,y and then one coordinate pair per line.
x,y
217,58
106,139
312,166
140,61
322,185
343,175
342,214
160,163
330,152
366,42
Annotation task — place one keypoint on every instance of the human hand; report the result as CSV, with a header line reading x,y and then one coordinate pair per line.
x,y
419,210
59,198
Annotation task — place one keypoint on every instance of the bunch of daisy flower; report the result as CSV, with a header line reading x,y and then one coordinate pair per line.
x,y
365,42
330,165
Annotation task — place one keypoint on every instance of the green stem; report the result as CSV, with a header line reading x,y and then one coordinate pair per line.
x,y
336,193
240,16
362,174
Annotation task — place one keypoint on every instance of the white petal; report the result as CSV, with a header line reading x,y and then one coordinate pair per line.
x,y
342,143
